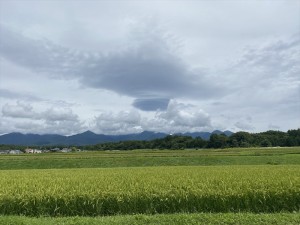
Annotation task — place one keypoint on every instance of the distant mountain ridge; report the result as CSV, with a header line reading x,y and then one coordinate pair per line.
x,y
90,138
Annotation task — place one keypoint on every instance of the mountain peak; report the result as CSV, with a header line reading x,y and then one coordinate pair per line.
x,y
88,132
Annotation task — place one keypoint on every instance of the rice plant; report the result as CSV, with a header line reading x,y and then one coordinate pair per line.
x,y
91,192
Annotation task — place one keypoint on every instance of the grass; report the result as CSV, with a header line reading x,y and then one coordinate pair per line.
x,y
162,219
145,158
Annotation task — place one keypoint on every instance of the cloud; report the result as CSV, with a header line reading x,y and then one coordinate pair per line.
x,y
59,114
180,117
5,93
151,104
28,97
265,84
142,63
20,110
36,55
41,127
273,127
23,117
148,67
245,126
26,111
123,122
276,61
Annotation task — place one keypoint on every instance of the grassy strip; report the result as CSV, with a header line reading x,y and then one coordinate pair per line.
x,y
280,156
167,219
150,190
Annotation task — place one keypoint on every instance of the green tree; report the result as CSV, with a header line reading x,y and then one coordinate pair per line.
x,y
218,141
266,143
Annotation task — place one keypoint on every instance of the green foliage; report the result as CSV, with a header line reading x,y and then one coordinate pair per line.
x,y
218,141
265,143
293,138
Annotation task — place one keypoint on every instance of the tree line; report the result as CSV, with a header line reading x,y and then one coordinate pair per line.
x,y
238,139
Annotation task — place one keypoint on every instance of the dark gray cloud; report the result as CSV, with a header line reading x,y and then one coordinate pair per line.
x,y
147,68
151,104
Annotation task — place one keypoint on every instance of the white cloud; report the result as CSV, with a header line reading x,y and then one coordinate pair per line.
x,y
23,117
25,110
178,117
59,114
265,84
20,110
184,115
117,123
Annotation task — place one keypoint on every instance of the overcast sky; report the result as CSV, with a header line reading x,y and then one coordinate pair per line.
x,y
117,67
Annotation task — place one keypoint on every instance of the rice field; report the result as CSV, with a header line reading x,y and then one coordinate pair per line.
x,y
150,190
221,186
150,158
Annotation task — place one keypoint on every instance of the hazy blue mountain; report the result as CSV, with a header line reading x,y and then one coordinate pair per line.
x,y
90,138
87,138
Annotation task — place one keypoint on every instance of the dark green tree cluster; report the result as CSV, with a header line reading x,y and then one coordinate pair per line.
x,y
169,142
263,139
239,139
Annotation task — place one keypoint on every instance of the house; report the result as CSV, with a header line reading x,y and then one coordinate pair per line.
x,y
33,151
15,152
66,150
55,150
4,151
38,151
29,150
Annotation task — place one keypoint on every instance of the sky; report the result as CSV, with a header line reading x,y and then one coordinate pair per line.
x,y
119,67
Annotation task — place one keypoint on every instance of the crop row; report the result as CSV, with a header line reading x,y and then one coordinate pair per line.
x,y
91,192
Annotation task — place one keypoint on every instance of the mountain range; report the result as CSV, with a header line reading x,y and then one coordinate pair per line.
x,y
90,138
